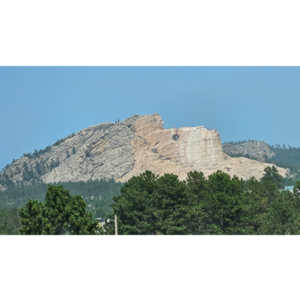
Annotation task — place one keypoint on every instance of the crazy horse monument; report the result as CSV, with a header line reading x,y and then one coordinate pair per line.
x,y
123,149
182,150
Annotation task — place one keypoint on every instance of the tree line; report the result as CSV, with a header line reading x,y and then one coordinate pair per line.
x,y
286,156
151,205
219,204
98,194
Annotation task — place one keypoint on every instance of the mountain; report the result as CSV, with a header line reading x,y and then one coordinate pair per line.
x,y
121,150
281,155
252,149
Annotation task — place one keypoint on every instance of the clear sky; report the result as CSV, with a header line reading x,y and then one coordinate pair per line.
x,y
40,105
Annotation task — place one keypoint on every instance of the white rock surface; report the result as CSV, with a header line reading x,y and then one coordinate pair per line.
x,y
128,148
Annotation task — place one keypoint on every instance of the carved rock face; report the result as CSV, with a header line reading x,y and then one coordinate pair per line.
x,y
179,151
124,149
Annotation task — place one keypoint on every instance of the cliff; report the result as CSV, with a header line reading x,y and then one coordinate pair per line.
x,y
124,149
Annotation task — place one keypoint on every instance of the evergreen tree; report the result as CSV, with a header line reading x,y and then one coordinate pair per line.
x,y
272,177
61,213
32,218
226,206
282,216
9,221
149,204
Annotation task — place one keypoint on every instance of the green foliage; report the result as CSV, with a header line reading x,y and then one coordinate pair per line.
x,y
97,194
9,221
6,181
154,205
219,204
240,142
226,205
272,181
285,156
283,216
150,204
60,213
36,153
32,218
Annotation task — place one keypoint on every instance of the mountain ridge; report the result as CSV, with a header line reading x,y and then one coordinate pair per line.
x,y
253,149
121,150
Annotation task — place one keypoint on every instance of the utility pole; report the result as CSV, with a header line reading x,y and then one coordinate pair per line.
x,y
116,225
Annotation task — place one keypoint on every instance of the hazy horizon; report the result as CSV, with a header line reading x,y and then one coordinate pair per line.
x,y
43,104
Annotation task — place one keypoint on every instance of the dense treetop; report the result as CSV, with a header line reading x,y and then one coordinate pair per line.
x,y
219,204
151,204
98,194
60,213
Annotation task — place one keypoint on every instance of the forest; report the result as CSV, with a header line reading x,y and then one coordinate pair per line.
x,y
287,157
97,195
219,204
164,205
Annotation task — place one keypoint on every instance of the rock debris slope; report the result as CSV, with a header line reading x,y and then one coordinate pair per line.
x,y
124,149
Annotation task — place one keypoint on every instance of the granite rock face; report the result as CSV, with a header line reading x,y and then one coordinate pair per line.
x,y
253,149
182,150
99,152
124,149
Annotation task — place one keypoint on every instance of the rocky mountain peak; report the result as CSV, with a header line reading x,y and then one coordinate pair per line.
x,y
123,149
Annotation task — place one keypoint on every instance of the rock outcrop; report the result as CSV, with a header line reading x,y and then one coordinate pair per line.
x,y
251,149
123,149
182,150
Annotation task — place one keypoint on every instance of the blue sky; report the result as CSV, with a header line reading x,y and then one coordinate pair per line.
x,y
40,105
